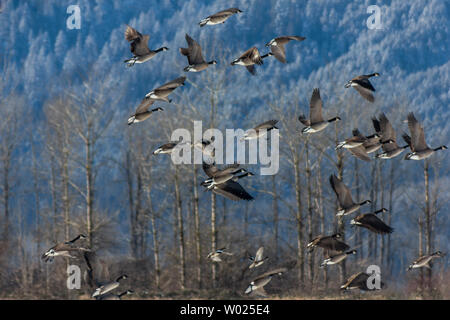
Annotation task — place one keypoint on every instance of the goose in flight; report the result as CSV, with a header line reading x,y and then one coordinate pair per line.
x,y
259,282
219,17
344,196
372,222
64,249
194,55
260,130
363,85
162,92
216,255
424,261
419,148
315,123
359,281
249,58
328,243
142,111
139,47
277,46
336,258
258,259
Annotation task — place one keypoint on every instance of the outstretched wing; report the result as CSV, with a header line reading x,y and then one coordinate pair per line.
x,y
342,192
315,107
417,134
233,191
193,52
138,42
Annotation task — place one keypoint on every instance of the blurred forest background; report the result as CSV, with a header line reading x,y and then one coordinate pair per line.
x,y
69,163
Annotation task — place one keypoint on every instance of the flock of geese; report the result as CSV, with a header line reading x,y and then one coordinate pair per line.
x,y
224,181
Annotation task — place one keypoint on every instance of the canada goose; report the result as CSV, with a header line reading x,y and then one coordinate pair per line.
x,y
249,58
388,140
139,47
259,282
358,281
215,256
328,242
166,148
315,122
107,287
111,296
221,176
372,222
64,249
260,130
363,85
336,258
194,56
356,140
344,196
163,91
230,189
424,261
219,17
142,113
420,149
277,46
258,259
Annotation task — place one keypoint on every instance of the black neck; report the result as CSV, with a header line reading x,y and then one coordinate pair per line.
x,y
161,49
333,119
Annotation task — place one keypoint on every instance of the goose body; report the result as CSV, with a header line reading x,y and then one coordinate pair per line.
x,y
194,55
371,222
277,46
344,196
363,86
260,130
219,17
108,287
162,92
424,261
355,141
419,148
249,58
335,259
139,47
259,282
328,242
315,123
142,111
64,249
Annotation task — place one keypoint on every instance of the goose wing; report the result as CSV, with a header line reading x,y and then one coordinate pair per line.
x,y
279,50
357,280
259,254
360,153
138,42
224,13
144,105
251,69
417,134
365,92
387,133
333,244
315,107
252,55
233,191
342,192
228,169
193,52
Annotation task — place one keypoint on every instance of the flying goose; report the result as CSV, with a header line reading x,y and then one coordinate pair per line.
x,y
107,287
344,196
316,122
111,296
230,189
277,46
336,258
221,176
64,249
372,222
420,149
260,130
219,17
388,139
166,148
194,56
356,140
139,47
363,85
328,242
258,259
215,255
424,261
163,91
142,111
358,281
259,282
249,58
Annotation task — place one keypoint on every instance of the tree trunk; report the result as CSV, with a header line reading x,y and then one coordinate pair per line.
x,y
299,222
180,231
198,251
